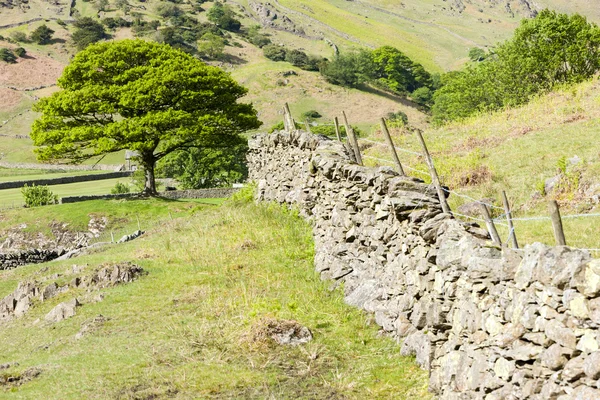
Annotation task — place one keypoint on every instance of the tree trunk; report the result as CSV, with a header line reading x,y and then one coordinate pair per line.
x,y
150,182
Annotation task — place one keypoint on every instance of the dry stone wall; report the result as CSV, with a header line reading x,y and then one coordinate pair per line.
x,y
487,322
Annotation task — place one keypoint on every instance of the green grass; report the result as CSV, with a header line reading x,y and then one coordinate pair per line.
x,y
186,329
14,174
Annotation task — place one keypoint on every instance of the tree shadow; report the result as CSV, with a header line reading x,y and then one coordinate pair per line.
x,y
57,40
232,59
394,97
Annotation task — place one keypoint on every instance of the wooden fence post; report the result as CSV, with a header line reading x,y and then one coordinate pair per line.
x,y
336,123
485,211
352,140
286,124
307,126
291,122
434,176
512,235
386,133
559,234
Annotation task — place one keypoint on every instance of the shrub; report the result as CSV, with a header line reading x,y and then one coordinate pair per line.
x,y
36,196
20,52
397,119
7,55
296,57
19,36
120,188
274,52
311,114
87,31
42,35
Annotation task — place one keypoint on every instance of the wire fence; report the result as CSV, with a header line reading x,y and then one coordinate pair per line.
x,y
498,220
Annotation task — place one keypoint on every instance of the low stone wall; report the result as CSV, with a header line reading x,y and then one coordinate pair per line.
x,y
65,180
171,194
487,322
33,256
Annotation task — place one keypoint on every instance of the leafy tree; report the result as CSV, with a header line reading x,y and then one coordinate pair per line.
x,y
395,71
36,196
211,45
166,10
223,16
42,35
546,51
7,56
206,167
19,36
274,52
349,69
101,5
141,96
423,96
87,31
115,22
257,38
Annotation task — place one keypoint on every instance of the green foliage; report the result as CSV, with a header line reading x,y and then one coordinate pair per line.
x,y
42,35
147,97
244,196
397,119
211,46
257,38
393,70
87,31
223,16
205,168
120,188
280,126
296,57
36,196
274,52
20,52
349,69
562,164
167,10
19,36
311,114
61,23
101,5
423,96
477,54
115,22
7,56
546,51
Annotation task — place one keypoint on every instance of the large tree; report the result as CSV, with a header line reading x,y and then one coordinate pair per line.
x,y
141,96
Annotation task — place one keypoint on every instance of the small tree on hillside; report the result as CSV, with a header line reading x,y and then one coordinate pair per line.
x,y
7,55
141,96
42,35
87,31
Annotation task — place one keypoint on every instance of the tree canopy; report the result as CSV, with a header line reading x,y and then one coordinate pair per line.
x,y
545,51
140,96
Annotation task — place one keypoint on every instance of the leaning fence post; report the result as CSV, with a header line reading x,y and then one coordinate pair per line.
x,y
352,139
307,126
386,133
485,211
336,123
512,236
434,176
291,122
286,124
559,234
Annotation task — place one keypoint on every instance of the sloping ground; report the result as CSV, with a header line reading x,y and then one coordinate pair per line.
x,y
221,284
521,151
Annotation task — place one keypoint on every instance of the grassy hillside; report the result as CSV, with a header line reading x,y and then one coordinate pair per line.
x,y
196,326
517,150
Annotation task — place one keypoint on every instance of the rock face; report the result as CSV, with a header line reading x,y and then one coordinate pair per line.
x,y
488,323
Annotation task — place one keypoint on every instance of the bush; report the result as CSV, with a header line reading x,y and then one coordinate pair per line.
x,y
7,55
87,31
120,188
36,196
20,52
296,57
19,36
397,119
274,52
257,38
423,96
311,114
117,22
42,35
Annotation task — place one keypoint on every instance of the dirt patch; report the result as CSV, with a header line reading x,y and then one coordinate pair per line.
x,y
9,98
31,72
475,176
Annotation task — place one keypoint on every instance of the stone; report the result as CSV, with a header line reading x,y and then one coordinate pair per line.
x,y
62,311
504,368
591,365
554,357
588,343
586,278
577,304
573,369
419,345
594,307
557,332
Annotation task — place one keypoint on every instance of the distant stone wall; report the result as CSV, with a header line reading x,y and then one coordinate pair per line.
x,y
65,180
487,322
61,167
171,194
32,256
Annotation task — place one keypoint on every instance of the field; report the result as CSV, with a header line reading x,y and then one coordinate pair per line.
x,y
191,327
518,150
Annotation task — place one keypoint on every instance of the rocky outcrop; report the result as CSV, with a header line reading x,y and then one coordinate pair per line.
x,y
270,17
487,322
